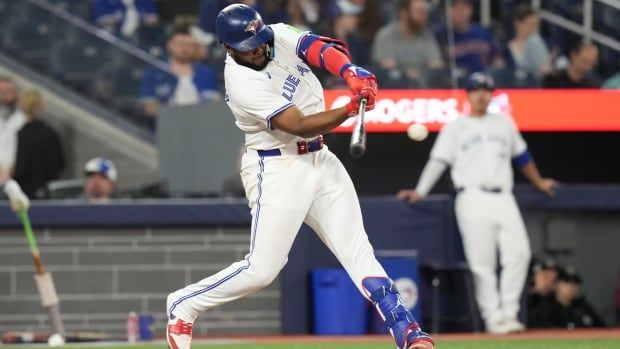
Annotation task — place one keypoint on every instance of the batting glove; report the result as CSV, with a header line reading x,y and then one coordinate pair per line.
x,y
352,108
361,80
16,196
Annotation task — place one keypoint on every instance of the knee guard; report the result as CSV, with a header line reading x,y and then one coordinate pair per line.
x,y
399,320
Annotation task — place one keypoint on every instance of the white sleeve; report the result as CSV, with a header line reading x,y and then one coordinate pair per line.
x,y
287,37
444,148
518,145
431,173
258,100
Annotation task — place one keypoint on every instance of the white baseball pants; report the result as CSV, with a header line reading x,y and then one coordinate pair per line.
x,y
489,221
284,191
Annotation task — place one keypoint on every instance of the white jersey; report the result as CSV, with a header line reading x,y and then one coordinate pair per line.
x,y
9,128
480,151
256,96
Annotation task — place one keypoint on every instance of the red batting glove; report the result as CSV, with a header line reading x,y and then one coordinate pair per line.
x,y
353,107
361,81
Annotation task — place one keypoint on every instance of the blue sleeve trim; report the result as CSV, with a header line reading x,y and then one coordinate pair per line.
x,y
321,58
278,111
523,158
344,68
303,44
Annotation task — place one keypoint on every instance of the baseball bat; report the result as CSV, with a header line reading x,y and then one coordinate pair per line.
x,y
43,279
357,148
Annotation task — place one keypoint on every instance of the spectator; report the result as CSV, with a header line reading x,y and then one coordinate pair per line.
x,y
185,83
345,20
370,21
39,153
583,59
542,288
125,17
527,50
11,121
475,48
301,13
566,308
407,44
100,183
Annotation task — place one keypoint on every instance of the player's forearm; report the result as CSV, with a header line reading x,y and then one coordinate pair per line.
x,y
431,173
325,53
530,171
323,122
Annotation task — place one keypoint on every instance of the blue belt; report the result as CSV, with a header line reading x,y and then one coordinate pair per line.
x,y
495,190
303,147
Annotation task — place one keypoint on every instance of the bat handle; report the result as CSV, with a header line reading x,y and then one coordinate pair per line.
x,y
362,108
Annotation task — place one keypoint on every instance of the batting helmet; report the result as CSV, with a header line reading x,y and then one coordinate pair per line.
x,y
242,28
479,81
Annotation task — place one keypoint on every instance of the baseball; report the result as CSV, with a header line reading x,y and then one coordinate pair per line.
x,y
417,132
55,340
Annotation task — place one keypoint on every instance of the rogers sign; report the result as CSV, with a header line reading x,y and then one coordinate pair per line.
x,y
394,113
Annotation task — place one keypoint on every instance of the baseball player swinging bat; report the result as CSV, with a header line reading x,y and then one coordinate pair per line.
x,y
49,299
358,137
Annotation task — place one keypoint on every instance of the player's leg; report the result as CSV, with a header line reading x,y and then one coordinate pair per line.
x,y
276,218
515,254
475,217
336,217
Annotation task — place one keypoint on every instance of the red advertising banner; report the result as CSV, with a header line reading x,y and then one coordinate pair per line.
x,y
533,110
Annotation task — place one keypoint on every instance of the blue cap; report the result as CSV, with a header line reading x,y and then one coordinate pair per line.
x,y
242,28
479,81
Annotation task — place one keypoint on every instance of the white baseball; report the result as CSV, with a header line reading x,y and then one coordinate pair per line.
x,y
56,340
417,132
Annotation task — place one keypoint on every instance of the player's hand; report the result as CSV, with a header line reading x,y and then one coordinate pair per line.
x,y
409,195
16,196
547,186
352,108
361,80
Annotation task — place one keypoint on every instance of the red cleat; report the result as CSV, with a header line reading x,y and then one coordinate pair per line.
x,y
179,334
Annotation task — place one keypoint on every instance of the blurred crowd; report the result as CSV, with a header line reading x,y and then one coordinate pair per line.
x,y
406,43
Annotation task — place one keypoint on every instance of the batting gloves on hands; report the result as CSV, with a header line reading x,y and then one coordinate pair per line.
x,y
353,107
16,196
361,81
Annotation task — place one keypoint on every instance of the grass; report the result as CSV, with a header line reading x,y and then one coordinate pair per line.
x,y
485,344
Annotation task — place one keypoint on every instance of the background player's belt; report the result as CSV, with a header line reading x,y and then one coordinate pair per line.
x,y
303,147
495,190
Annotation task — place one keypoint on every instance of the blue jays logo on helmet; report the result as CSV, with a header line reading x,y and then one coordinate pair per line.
x,y
242,28
253,26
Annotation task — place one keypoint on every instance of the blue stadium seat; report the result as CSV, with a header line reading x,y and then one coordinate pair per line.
x,y
78,64
80,8
29,41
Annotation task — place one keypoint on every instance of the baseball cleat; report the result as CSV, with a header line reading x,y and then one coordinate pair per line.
x,y
420,340
422,344
514,326
179,334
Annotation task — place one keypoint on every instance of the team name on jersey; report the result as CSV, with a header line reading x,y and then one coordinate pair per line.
x,y
302,70
290,86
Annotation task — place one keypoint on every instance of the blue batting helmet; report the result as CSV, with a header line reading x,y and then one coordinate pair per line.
x,y
479,81
242,28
